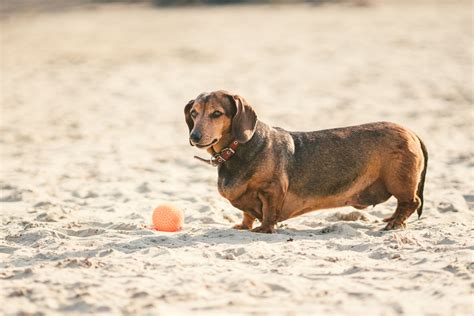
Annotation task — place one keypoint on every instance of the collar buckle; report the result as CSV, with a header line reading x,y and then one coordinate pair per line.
x,y
221,157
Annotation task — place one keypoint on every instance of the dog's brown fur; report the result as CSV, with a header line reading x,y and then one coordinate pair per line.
x,y
276,175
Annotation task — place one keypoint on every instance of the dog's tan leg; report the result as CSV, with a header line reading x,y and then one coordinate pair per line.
x,y
404,210
269,212
247,222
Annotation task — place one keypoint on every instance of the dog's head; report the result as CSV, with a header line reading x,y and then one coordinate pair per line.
x,y
211,116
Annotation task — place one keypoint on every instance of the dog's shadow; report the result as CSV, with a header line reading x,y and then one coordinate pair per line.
x,y
148,240
215,236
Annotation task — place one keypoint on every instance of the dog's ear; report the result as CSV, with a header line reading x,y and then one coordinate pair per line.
x,y
244,121
187,115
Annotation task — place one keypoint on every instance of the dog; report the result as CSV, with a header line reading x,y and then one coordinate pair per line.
x,y
273,175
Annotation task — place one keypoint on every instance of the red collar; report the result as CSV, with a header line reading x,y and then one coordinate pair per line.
x,y
222,156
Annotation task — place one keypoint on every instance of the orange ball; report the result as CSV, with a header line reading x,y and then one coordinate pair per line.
x,y
167,218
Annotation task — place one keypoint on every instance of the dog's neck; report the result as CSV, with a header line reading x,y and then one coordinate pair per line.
x,y
245,152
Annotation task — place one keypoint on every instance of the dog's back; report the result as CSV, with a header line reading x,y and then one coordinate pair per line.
x,y
327,162
357,166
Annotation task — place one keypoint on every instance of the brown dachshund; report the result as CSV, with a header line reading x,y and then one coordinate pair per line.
x,y
273,175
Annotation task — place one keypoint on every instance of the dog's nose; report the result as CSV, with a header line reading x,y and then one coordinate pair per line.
x,y
195,136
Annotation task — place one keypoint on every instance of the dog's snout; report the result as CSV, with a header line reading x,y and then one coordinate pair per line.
x,y
195,136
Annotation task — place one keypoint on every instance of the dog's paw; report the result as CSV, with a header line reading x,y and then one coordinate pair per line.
x,y
393,224
264,230
241,227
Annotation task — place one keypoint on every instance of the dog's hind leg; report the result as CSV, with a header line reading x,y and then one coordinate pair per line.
x,y
401,176
402,213
403,184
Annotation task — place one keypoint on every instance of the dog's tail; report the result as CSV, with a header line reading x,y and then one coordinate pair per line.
x,y
421,185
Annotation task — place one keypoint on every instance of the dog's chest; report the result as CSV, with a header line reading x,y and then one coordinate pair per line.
x,y
240,195
231,185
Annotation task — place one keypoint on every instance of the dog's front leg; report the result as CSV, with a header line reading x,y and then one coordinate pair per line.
x,y
247,222
269,213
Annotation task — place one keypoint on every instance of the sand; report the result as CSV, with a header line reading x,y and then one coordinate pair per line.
x,y
92,138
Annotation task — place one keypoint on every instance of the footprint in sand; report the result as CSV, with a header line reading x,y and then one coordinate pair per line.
x,y
469,200
48,217
7,250
42,204
134,215
36,237
85,232
21,292
84,194
352,217
452,202
277,287
231,253
9,193
341,229
143,188
125,226
80,263
18,274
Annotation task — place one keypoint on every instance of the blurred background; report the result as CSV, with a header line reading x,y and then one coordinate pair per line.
x,y
89,69
49,5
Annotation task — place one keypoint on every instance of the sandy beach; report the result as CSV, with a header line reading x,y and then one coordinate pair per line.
x,y
92,138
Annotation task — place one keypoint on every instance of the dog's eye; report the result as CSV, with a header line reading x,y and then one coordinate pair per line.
x,y
216,114
194,113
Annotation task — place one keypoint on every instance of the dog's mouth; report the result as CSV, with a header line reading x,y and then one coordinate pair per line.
x,y
208,145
